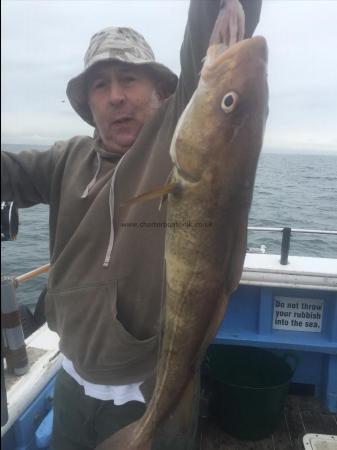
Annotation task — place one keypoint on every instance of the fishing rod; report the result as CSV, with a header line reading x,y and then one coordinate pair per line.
x,y
32,274
9,221
13,347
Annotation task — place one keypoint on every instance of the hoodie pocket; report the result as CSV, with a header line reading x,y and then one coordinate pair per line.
x,y
90,333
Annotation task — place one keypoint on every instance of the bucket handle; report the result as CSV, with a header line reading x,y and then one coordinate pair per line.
x,y
292,360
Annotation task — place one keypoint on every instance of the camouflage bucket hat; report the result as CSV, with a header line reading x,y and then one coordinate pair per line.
x,y
116,44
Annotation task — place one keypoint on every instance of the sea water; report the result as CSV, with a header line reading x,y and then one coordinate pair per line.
x,y
291,190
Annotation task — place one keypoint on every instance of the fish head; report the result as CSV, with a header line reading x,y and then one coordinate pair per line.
x,y
221,130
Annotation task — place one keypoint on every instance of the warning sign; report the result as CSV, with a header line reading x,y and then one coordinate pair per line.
x,y
298,314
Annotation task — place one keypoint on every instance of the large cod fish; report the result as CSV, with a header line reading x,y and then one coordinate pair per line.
x,y
215,151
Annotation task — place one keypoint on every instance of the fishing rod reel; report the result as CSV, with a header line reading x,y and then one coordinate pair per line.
x,y
13,349
9,221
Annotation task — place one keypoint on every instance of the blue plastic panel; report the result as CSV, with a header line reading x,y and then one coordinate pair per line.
x,y
249,321
22,434
43,433
26,425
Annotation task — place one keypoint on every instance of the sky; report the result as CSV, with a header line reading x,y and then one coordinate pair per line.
x,y
43,43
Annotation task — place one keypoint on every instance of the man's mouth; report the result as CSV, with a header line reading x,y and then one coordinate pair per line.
x,y
121,121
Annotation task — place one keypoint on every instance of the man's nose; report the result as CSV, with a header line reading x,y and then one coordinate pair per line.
x,y
116,93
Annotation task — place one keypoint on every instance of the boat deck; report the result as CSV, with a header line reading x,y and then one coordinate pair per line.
x,y
302,415
33,354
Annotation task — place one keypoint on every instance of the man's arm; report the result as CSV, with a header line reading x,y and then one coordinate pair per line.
x,y
252,10
26,177
202,17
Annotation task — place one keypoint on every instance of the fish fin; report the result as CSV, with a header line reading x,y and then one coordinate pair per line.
x,y
165,196
216,320
124,440
161,191
162,201
232,275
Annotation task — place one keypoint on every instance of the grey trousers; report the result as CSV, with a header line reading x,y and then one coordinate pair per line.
x,y
82,422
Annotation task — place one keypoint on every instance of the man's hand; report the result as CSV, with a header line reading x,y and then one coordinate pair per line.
x,y
229,27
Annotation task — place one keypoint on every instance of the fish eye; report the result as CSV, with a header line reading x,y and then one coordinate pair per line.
x,y
229,101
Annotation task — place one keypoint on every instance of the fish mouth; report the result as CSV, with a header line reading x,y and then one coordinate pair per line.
x,y
260,41
218,56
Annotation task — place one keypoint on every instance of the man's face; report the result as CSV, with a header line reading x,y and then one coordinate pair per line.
x,y
122,97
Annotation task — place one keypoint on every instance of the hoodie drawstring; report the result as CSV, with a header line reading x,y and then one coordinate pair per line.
x,y
112,210
93,181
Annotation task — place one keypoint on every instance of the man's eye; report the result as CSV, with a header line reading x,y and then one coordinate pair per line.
x,y
99,84
129,78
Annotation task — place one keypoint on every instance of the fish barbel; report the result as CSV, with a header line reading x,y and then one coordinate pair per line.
x,y
215,151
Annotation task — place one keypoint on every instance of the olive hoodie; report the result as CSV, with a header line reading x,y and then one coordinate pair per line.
x,y
105,284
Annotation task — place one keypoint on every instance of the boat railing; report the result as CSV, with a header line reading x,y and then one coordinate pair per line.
x,y
286,237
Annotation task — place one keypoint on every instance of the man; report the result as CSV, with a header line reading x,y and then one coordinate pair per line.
x,y
105,283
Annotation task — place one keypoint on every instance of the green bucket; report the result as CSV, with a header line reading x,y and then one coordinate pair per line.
x,y
249,389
